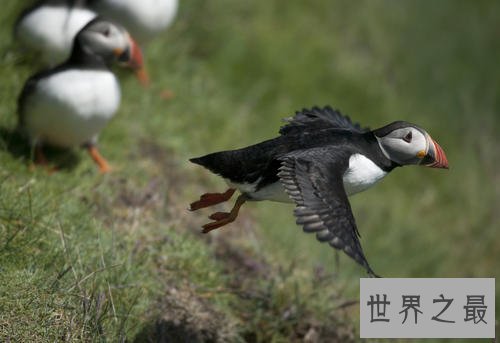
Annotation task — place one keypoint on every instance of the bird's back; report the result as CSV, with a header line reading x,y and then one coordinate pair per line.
x,y
49,29
261,160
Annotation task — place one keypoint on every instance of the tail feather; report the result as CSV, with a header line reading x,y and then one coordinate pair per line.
x,y
234,165
244,165
216,162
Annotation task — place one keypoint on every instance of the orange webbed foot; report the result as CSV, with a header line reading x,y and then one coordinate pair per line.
x,y
224,218
210,199
219,216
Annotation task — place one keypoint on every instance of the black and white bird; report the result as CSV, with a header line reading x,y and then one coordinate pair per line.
x,y
319,159
49,27
70,104
144,19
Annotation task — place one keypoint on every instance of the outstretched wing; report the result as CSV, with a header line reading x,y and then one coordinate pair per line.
x,y
313,180
319,118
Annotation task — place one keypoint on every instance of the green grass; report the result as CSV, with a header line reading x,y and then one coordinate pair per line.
x,y
91,257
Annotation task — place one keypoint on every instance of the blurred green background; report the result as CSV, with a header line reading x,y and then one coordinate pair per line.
x,y
91,257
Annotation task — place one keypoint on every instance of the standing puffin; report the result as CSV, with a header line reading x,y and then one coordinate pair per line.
x,y
70,104
319,159
49,27
144,19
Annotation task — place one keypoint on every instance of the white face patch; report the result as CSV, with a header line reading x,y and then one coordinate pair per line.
x,y
104,39
361,174
404,145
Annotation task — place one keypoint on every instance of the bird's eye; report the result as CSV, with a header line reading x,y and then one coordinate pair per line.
x,y
106,33
408,137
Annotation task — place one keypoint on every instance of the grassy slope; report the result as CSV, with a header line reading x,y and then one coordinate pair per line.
x,y
237,69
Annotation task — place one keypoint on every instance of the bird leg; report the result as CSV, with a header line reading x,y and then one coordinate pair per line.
x,y
210,199
223,218
98,159
40,156
41,160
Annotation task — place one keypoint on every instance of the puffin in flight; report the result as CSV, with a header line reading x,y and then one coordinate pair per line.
x,y
319,159
70,104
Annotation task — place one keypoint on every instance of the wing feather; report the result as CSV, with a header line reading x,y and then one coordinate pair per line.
x,y
319,118
313,180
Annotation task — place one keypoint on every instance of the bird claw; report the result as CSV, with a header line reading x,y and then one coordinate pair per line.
x,y
217,216
223,218
205,201
214,225
209,199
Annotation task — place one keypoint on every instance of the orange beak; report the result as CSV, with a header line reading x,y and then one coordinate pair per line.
x,y
132,58
137,63
435,157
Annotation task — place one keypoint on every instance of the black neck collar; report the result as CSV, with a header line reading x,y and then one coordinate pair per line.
x,y
82,57
380,159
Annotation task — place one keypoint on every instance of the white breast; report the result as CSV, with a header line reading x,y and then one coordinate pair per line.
x,y
49,30
144,19
71,107
361,174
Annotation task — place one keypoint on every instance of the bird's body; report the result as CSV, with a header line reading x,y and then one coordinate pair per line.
x,y
49,27
70,107
70,104
319,159
254,170
144,19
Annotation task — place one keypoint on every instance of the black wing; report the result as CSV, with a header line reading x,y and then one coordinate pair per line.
x,y
319,118
313,180
28,89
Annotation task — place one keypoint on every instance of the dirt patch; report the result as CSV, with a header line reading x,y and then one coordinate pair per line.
x,y
131,203
240,262
268,302
183,316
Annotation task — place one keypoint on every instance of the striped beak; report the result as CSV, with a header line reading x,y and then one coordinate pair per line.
x,y
132,58
435,157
